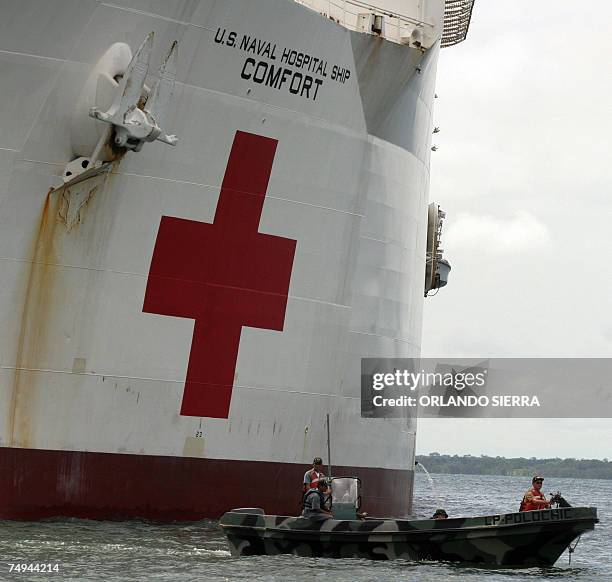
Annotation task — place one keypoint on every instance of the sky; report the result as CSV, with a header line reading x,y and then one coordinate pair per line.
x,y
523,172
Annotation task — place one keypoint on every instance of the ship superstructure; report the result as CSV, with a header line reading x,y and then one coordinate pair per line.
x,y
174,318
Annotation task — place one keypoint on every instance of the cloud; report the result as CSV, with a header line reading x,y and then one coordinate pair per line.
x,y
522,232
524,123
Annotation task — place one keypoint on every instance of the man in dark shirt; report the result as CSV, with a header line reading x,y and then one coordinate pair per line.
x,y
314,502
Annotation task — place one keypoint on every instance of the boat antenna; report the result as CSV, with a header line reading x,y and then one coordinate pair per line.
x,y
329,466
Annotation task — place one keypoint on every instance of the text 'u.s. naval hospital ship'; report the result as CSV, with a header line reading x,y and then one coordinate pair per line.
x,y
210,211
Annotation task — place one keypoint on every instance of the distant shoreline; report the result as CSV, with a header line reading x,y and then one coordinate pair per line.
x,y
518,466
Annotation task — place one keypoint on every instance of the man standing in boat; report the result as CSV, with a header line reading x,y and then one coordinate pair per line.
x,y
313,474
534,498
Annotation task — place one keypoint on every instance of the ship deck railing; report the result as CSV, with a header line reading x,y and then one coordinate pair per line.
x,y
399,28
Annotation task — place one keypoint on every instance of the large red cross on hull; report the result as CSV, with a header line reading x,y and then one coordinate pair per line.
x,y
225,275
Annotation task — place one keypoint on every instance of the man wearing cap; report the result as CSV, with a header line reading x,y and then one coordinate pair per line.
x,y
440,514
534,498
315,473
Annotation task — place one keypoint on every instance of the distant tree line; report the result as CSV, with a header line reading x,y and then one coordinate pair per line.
x,y
520,466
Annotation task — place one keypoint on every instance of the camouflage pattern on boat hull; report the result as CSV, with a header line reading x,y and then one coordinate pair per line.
x,y
533,538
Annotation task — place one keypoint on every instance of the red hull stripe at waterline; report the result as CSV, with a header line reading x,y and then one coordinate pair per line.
x,y
36,484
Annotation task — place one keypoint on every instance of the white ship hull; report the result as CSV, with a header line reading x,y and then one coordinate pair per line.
x,y
113,381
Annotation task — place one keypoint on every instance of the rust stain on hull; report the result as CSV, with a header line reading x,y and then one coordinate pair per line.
x,y
61,217
73,204
39,283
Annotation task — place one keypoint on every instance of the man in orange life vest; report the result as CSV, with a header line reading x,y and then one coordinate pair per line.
x,y
534,498
313,474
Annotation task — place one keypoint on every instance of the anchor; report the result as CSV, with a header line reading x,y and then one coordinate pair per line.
x,y
136,114
136,125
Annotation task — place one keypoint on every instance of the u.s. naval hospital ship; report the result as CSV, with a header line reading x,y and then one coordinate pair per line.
x,y
209,212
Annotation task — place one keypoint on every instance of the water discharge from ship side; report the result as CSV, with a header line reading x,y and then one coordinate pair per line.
x,y
431,483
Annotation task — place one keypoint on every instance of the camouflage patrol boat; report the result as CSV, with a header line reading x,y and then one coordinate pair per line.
x,y
526,539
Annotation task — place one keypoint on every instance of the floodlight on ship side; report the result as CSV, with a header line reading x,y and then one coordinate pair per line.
x,y
437,268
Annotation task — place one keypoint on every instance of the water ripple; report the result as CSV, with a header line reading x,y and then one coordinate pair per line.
x,y
137,550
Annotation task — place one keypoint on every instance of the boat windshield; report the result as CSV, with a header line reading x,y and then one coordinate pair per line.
x,y
344,490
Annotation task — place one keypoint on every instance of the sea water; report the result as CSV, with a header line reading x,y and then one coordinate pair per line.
x,y
136,550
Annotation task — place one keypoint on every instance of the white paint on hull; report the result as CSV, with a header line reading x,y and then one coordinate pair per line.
x,y
96,373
